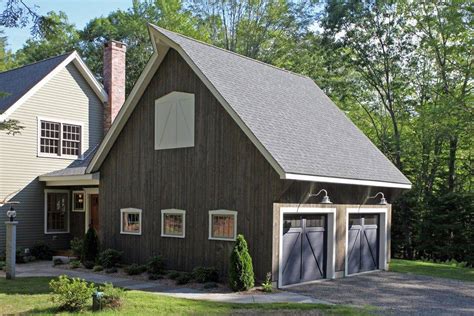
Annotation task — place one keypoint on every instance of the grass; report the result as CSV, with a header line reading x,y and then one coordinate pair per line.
x,y
32,296
440,270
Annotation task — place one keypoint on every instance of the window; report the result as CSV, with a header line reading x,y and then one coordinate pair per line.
x,y
78,201
174,121
222,225
131,221
56,211
58,139
173,223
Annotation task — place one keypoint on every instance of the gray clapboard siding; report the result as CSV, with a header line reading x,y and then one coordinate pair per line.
x,y
67,96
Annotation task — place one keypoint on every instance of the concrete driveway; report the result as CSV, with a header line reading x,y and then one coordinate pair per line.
x,y
397,293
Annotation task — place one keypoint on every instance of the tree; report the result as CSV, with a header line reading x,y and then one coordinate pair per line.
x,y
241,276
91,247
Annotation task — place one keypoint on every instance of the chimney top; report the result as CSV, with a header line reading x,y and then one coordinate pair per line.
x,y
116,44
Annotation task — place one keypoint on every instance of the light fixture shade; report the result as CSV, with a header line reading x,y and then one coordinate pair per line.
x,y
326,200
383,201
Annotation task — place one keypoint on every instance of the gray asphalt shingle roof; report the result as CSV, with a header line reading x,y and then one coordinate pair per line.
x,y
16,82
76,168
304,131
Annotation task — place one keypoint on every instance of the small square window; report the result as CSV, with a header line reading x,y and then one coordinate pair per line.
x,y
222,225
173,223
78,201
131,221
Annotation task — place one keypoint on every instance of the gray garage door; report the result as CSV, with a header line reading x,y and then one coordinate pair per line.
x,y
363,243
304,248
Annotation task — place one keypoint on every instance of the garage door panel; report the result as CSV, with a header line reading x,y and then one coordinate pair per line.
x,y
369,249
363,243
291,257
313,255
354,247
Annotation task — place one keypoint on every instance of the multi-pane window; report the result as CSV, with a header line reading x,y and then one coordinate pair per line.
x,y
222,225
59,139
56,212
78,201
173,223
131,221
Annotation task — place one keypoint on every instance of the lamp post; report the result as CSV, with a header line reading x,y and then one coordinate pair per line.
x,y
11,241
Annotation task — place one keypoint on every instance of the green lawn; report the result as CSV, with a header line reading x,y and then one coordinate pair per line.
x,y
432,269
31,296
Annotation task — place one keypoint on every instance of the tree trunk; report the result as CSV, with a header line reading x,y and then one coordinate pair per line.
x,y
453,146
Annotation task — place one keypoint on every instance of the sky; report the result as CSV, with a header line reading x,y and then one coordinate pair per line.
x,y
79,12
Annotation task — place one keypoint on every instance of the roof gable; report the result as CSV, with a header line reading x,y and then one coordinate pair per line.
x,y
21,83
298,129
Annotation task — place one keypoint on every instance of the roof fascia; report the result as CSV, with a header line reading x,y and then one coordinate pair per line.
x,y
303,177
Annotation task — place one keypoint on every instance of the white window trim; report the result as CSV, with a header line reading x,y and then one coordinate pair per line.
x,y
46,191
222,212
132,211
60,121
173,211
383,236
73,209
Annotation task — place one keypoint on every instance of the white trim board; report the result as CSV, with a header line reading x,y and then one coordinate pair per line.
x,y
173,211
222,212
130,210
77,180
83,69
383,235
302,177
331,240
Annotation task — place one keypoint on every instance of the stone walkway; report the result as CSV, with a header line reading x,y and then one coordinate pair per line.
x,y
45,268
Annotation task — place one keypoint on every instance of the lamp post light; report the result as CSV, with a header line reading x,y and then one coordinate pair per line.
x,y
11,241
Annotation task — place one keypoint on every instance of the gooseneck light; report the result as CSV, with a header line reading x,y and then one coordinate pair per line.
x,y
325,199
383,200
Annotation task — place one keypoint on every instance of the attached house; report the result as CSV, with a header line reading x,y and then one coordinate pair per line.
x,y
210,144
63,110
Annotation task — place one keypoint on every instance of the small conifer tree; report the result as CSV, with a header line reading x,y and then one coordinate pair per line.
x,y
91,246
241,276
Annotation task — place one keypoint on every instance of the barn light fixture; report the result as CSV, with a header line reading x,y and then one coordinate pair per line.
x,y
325,199
383,200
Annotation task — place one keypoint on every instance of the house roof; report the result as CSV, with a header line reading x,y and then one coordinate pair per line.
x,y
20,83
297,128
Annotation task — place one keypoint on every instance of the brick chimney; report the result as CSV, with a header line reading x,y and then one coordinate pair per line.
x,y
114,80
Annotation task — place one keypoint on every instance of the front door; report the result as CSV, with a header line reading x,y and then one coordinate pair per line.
x,y
363,243
304,248
94,215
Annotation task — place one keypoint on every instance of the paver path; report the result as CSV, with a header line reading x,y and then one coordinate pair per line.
x,y
44,268
397,293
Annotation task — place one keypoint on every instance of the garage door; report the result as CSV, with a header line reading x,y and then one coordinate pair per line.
x,y
303,248
363,243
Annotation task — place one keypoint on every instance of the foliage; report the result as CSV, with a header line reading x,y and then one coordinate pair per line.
x,y
156,265
77,247
91,246
72,294
438,270
205,274
74,264
267,285
109,258
12,127
241,276
173,275
98,268
2,265
41,251
112,296
23,256
135,269
57,262
184,278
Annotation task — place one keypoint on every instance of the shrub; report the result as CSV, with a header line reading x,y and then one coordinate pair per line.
x,y
77,247
112,296
88,264
135,269
184,278
111,270
173,275
2,265
156,265
42,251
23,256
98,268
204,274
91,245
109,258
72,294
267,285
2,255
57,262
241,276
74,264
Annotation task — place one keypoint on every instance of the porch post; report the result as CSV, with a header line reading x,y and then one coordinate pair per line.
x,y
11,249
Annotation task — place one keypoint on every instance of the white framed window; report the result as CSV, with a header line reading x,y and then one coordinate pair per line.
x,y
131,221
59,139
173,223
56,211
78,201
174,121
222,225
